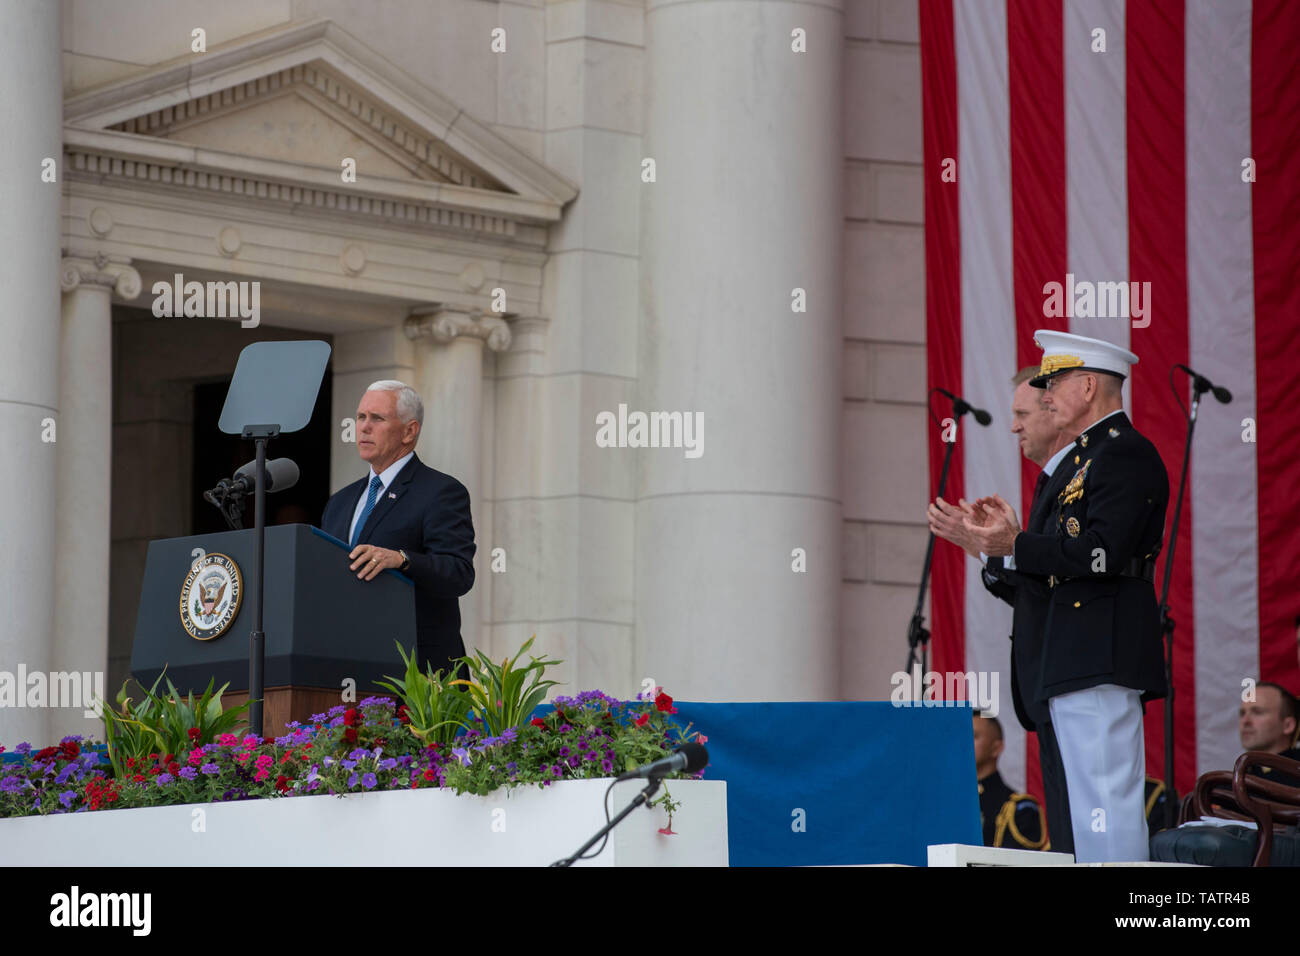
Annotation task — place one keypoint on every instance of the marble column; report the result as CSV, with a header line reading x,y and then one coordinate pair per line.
x,y
31,114
450,372
83,486
738,549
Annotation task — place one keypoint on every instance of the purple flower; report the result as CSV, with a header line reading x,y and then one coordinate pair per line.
x,y
555,770
461,754
11,784
164,779
565,728
607,765
388,763
509,735
369,780
565,751
360,753
72,739
589,755
23,748
66,798
352,781
210,769
347,764
573,761
189,773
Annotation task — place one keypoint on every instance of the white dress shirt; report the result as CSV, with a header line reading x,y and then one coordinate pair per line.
x,y
386,476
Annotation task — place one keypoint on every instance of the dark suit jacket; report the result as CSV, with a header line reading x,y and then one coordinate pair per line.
x,y
426,514
1103,627
1029,595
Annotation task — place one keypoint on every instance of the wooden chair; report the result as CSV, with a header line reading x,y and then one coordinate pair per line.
x,y
1240,795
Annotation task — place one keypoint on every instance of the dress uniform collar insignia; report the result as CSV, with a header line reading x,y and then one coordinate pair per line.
x,y
1083,440
1114,433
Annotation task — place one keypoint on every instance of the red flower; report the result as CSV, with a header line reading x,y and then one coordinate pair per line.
x,y
49,753
350,735
351,717
269,741
538,722
642,720
402,714
130,762
428,773
282,783
193,733
138,777
169,758
69,749
173,767
665,703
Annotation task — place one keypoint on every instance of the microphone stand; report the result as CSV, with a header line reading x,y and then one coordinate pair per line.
x,y
1199,388
652,785
918,635
260,434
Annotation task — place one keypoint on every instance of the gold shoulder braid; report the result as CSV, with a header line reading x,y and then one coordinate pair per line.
x,y
1007,821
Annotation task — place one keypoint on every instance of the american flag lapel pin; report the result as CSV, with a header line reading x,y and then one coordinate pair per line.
x,y
392,495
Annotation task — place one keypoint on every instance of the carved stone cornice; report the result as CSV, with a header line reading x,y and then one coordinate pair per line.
x,y
443,324
112,273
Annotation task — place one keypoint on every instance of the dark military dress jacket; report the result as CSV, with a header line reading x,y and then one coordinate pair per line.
x,y
1030,596
1010,819
1102,535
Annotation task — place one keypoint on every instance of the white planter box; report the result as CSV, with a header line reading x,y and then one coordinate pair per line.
x,y
526,826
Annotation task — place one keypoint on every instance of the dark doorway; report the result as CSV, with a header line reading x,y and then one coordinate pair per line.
x,y
218,455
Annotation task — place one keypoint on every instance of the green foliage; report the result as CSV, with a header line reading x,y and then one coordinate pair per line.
x,y
163,725
505,694
436,710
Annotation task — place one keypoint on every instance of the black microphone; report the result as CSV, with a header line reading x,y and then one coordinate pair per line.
x,y
1203,384
960,407
689,758
281,474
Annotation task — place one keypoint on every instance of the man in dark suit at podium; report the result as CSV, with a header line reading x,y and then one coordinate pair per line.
x,y
406,516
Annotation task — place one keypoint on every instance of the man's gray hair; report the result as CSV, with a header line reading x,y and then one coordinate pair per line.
x,y
409,405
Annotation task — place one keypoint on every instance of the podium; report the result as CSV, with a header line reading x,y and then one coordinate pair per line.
x,y
323,624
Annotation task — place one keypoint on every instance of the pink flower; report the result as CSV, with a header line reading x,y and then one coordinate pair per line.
x,y
668,830
196,757
264,761
227,740
251,741
701,739
261,775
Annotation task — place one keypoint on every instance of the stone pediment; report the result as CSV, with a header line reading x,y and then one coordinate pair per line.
x,y
276,114
308,114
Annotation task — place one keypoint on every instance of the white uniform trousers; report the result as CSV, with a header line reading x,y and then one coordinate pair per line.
x,y
1099,731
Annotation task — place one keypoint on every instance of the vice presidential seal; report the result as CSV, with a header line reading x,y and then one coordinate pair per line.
x,y
211,596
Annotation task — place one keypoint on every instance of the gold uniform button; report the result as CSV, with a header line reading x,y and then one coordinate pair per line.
x,y
1076,604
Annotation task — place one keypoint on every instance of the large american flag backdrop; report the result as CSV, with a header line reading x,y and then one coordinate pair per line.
x,y
1130,164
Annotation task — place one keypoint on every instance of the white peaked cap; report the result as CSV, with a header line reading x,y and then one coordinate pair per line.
x,y
1063,352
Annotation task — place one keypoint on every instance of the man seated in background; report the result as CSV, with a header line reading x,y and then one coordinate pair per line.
x,y
1009,819
1269,723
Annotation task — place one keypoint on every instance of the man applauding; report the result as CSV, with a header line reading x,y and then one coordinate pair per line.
x,y
1101,652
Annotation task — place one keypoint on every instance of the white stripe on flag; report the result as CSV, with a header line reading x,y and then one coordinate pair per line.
x,y
1221,334
988,327
1095,158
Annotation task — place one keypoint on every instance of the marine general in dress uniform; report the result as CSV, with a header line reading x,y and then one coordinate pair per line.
x,y
1101,649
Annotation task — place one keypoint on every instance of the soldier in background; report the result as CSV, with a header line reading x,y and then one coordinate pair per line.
x,y
1009,819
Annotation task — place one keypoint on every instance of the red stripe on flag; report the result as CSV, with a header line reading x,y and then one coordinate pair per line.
x,y
1157,191
943,310
1036,87
1039,235
1275,195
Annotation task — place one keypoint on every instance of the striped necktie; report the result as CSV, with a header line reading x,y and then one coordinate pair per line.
x,y
376,486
